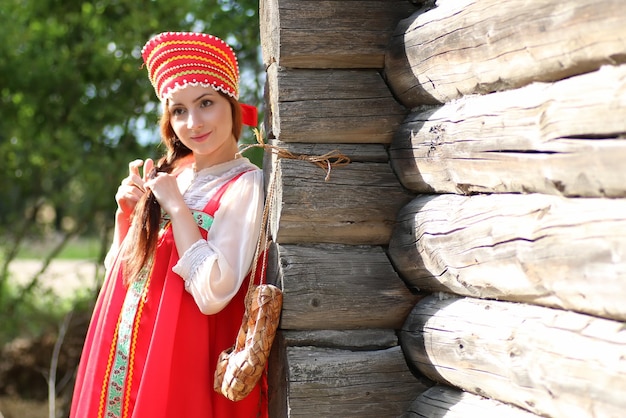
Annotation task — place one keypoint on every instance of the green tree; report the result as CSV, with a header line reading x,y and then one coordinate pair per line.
x,y
76,106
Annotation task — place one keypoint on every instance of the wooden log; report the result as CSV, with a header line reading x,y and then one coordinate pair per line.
x,y
552,362
340,383
331,106
329,33
358,153
563,138
341,287
352,340
447,402
547,250
277,379
468,47
349,208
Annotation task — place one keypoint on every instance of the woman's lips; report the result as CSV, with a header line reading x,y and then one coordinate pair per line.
x,y
199,138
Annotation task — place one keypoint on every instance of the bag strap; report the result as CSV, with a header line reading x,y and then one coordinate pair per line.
x,y
262,247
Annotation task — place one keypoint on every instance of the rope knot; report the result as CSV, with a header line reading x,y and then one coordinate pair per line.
x,y
326,161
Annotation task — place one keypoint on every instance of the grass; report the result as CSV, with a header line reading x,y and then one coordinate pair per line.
x,y
82,248
43,306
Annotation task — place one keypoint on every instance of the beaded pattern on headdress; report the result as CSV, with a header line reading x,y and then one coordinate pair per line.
x,y
177,59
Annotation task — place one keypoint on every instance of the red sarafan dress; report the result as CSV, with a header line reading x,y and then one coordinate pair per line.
x,y
151,353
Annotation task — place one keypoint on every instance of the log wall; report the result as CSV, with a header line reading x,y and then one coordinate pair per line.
x,y
514,149
471,259
337,352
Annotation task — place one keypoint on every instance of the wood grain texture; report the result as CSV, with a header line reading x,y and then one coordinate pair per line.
x,y
277,378
341,287
342,341
357,205
329,33
566,138
331,106
339,383
546,250
548,361
358,153
470,46
447,402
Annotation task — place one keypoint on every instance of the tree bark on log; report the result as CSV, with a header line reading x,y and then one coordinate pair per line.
x,y
331,106
546,250
551,362
565,138
447,402
329,33
469,47
339,383
341,287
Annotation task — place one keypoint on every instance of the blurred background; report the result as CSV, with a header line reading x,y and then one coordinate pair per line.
x,y
75,107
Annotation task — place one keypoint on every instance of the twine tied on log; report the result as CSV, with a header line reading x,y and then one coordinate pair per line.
x,y
326,161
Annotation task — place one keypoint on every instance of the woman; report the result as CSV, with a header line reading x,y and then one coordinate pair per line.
x,y
184,241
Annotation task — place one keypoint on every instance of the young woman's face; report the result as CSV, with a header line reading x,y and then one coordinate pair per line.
x,y
202,120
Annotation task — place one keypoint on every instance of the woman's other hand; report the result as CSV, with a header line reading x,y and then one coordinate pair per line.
x,y
132,187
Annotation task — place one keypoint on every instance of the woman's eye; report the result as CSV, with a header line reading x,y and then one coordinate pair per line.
x,y
177,111
206,103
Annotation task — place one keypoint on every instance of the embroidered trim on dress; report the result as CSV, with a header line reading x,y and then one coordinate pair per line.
x,y
107,372
118,378
203,219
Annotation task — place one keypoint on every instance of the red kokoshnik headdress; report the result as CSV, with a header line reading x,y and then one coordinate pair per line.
x,y
178,59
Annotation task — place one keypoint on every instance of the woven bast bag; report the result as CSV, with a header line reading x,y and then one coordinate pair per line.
x,y
239,368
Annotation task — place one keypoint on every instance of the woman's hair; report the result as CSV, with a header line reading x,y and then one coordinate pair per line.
x,y
146,218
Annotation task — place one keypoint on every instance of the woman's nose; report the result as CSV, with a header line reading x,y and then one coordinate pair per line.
x,y
194,120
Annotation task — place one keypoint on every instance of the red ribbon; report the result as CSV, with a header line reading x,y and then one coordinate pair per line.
x,y
249,115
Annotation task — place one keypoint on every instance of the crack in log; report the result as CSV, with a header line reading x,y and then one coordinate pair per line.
x,y
523,151
605,136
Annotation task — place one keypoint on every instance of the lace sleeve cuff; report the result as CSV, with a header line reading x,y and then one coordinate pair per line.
x,y
191,260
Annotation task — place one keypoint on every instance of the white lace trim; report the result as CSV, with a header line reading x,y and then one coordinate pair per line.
x,y
198,188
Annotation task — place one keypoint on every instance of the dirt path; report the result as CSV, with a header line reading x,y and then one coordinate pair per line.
x,y
63,277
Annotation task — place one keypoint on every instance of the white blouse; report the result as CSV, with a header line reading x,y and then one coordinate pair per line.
x,y
214,269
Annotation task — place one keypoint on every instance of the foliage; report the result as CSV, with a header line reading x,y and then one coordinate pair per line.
x,y
40,311
82,249
77,106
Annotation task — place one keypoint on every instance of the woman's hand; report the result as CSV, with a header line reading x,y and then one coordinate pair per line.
x,y
165,190
132,187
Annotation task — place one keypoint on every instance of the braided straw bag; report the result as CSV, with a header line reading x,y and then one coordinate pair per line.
x,y
240,367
